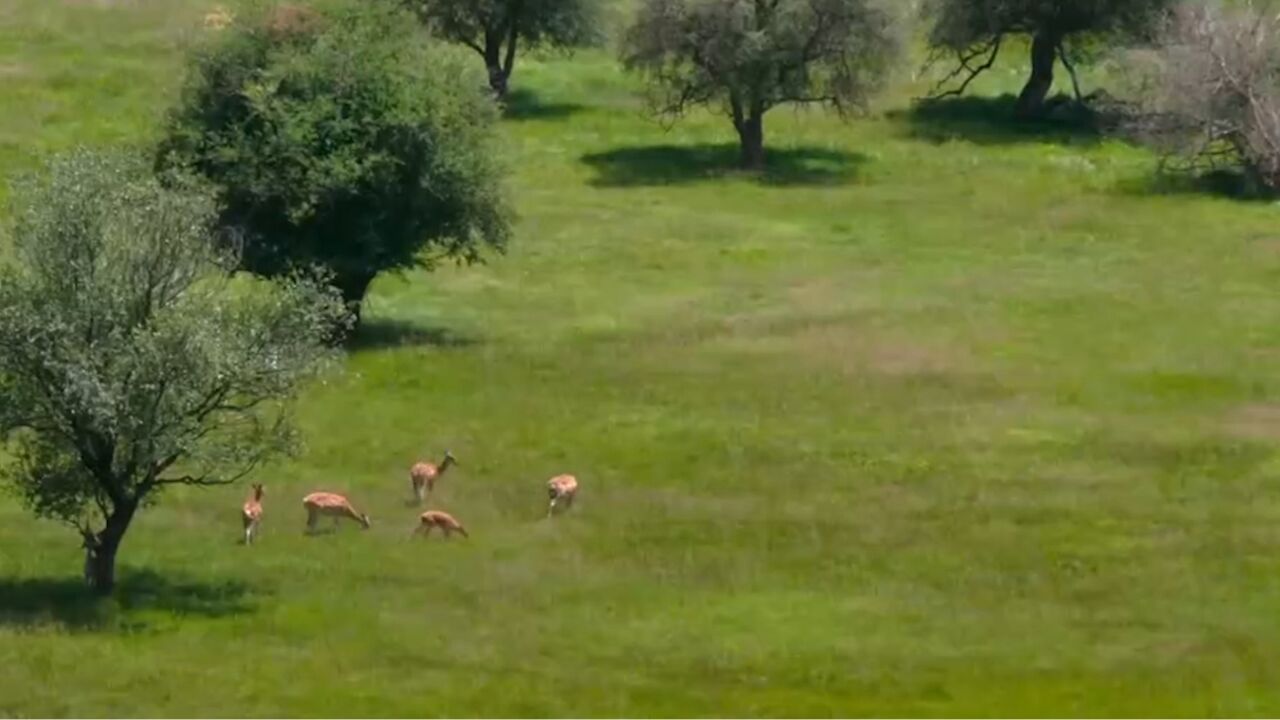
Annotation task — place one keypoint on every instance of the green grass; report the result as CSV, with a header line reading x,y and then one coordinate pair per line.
x,y
934,418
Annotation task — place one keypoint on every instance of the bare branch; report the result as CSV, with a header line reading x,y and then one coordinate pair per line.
x,y
991,49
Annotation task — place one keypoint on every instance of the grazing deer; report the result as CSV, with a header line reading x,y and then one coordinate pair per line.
x,y
561,489
433,519
251,513
425,474
332,505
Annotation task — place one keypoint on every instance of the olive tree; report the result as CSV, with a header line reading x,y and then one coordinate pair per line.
x,y
335,137
495,28
131,360
973,31
1208,90
748,56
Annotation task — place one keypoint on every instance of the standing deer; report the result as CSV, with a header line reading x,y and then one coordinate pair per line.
x,y
433,519
251,513
561,489
425,474
333,505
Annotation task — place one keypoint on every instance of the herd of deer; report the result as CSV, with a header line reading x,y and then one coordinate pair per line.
x,y
561,490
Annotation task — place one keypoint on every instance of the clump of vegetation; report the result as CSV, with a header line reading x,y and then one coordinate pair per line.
x,y
973,31
336,138
496,28
750,56
1209,94
130,358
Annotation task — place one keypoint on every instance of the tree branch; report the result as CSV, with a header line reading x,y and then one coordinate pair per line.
x,y
1071,70
991,48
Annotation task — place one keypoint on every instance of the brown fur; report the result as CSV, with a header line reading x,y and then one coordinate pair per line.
x,y
561,489
424,475
251,514
332,505
433,519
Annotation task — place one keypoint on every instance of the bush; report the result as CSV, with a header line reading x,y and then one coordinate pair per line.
x,y
336,137
1209,91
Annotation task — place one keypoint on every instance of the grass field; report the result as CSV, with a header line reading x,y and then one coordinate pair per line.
x,y
934,418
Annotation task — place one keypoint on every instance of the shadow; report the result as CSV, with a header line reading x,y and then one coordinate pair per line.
x,y
675,164
523,104
1228,184
991,121
67,601
374,334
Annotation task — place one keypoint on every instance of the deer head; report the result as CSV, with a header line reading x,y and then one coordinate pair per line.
x,y
364,520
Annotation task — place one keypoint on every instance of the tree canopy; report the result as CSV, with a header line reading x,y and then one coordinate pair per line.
x,y
335,136
748,56
496,28
973,31
130,358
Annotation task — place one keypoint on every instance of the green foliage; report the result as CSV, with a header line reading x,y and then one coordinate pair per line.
x,y
130,358
335,138
495,28
747,56
958,24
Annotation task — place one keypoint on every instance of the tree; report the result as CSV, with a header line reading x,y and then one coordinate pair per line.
x,y
494,28
1208,97
973,31
336,138
748,56
130,359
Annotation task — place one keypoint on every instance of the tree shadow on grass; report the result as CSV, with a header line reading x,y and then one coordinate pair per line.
x,y
991,121
524,104
375,334
675,164
1228,184
69,602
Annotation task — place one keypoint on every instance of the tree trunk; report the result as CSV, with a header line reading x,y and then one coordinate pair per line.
x,y
100,556
353,288
751,140
493,63
1044,52
498,81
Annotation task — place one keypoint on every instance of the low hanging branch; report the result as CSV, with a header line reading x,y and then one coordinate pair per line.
x,y
990,49
970,31
1071,71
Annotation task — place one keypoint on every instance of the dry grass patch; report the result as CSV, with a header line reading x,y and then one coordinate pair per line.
x,y
1254,421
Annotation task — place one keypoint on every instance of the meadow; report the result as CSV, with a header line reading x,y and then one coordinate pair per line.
x,y
934,417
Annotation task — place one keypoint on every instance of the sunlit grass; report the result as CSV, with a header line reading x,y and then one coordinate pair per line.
x,y
936,417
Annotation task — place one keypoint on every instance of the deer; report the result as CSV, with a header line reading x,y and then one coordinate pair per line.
x,y
433,519
561,490
333,505
251,513
424,475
